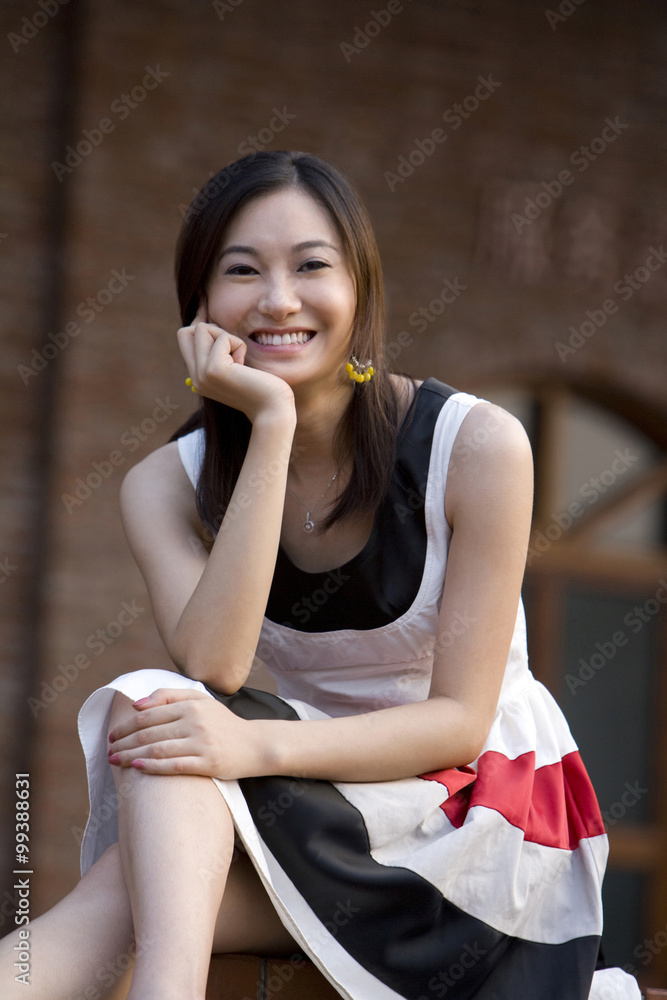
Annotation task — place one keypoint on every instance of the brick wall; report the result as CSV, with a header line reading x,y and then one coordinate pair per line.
x,y
451,204
31,87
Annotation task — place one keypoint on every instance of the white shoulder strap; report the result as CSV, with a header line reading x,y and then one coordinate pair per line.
x,y
191,450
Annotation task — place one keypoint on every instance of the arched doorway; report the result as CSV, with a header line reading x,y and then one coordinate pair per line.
x,y
595,593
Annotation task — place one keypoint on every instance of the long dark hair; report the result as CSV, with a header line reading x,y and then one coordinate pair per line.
x,y
367,431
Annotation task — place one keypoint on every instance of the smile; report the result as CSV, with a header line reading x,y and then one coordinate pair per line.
x,y
278,339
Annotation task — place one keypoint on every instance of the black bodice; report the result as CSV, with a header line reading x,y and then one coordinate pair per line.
x,y
381,582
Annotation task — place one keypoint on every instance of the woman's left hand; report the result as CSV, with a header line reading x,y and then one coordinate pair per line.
x,y
186,732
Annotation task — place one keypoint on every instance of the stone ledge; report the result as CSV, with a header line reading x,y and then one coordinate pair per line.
x,y
251,977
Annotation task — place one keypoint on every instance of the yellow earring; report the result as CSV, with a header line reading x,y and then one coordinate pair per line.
x,y
188,381
358,372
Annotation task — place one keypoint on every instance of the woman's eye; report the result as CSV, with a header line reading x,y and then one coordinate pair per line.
x,y
242,269
314,264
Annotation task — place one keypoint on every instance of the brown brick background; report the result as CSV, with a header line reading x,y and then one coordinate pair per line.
x,y
119,210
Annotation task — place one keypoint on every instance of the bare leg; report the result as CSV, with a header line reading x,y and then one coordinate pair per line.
x,y
81,947
84,946
176,843
180,856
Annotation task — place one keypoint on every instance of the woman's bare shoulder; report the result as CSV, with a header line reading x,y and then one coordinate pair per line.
x,y
491,459
159,482
494,431
163,464
158,508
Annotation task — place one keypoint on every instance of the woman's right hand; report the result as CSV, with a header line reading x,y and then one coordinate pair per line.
x,y
216,364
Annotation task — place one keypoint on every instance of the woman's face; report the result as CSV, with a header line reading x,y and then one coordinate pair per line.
x,y
282,284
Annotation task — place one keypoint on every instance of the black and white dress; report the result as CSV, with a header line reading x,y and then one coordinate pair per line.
x,y
477,882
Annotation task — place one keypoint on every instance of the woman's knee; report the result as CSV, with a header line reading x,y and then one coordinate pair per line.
x,y
121,708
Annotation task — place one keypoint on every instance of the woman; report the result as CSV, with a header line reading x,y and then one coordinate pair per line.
x,y
308,514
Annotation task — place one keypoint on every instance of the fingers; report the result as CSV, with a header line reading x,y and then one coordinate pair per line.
x,y
186,347
202,342
160,739
238,354
186,337
164,749
161,707
168,696
208,351
165,725
169,765
172,731
151,727
201,316
161,748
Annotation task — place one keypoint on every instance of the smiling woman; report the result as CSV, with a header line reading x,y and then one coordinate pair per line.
x,y
410,809
338,270
284,280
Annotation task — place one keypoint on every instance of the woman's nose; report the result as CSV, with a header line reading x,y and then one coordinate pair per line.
x,y
279,299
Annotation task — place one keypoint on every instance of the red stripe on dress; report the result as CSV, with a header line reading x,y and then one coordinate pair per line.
x,y
554,805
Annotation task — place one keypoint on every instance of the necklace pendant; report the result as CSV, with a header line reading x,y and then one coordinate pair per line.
x,y
308,525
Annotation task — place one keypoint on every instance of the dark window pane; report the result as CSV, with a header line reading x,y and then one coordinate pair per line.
x,y
623,895
607,693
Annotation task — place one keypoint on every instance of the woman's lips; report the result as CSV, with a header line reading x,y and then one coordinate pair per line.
x,y
280,340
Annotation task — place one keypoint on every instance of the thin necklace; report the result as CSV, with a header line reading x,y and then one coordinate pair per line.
x,y
309,524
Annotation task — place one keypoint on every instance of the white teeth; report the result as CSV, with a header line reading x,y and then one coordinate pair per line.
x,y
277,339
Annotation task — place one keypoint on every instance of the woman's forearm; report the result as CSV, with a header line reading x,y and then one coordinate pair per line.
x,y
391,743
217,633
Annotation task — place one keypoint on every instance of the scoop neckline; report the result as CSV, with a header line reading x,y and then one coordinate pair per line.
x,y
364,551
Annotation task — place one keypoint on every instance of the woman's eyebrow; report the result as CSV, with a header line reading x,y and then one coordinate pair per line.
x,y
297,248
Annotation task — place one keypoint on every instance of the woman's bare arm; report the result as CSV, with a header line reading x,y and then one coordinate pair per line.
x,y
489,504
209,607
